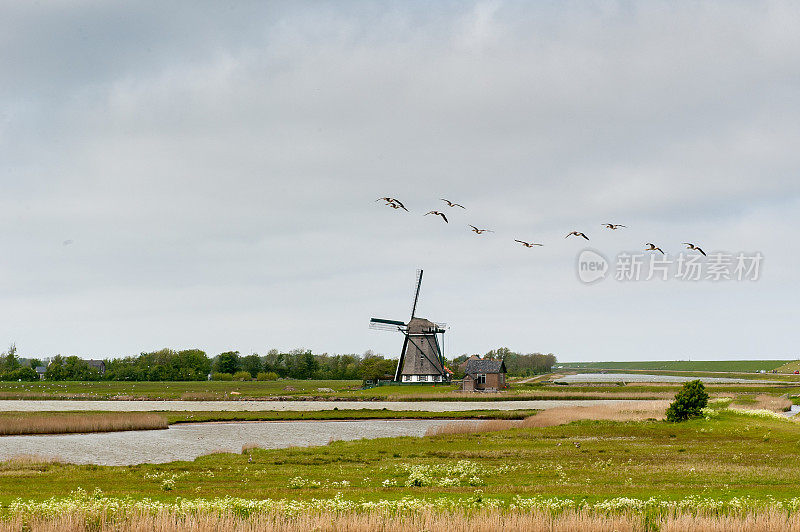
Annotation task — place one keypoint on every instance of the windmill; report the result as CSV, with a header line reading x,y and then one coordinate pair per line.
x,y
421,359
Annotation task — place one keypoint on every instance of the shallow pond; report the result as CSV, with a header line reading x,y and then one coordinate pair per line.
x,y
187,442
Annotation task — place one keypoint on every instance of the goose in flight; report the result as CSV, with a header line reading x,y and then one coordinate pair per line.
x,y
528,244
437,213
576,233
391,202
480,231
653,247
689,245
451,204
614,226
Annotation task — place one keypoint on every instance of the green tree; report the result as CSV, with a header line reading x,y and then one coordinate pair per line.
x,y
252,364
227,362
689,402
10,361
375,367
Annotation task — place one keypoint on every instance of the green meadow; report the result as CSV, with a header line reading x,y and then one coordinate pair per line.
x,y
727,455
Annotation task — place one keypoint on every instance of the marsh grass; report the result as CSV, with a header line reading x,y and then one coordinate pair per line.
x,y
637,411
479,521
15,423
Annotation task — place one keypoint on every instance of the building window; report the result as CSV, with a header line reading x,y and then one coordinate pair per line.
x,y
481,378
423,378
406,378
437,378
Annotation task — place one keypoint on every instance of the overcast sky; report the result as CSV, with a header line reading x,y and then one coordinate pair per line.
x,y
191,174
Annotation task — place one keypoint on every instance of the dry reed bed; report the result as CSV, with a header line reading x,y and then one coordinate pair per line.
x,y
767,402
482,521
635,411
60,423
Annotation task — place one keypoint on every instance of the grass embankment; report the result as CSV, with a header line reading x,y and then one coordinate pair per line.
x,y
12,423
18,423
747,366
727,471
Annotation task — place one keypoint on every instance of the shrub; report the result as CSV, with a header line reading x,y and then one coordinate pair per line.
x,y
689,402
221,376
242,376
267,376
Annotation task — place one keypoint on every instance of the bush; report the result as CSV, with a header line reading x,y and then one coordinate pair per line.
x,y
217,376
689,402
242,376
267,376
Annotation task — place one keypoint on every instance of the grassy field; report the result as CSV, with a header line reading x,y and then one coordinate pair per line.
x,y
747,366
730,455
89,421
350,390
187,390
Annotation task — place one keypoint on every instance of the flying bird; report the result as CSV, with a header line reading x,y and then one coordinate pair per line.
x,y
70,241
528,244
480,231
576,233
689,245
653,247
614,226
451,204
395,203
437,213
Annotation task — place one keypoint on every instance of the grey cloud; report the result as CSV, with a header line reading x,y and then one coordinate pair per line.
x,y
216,166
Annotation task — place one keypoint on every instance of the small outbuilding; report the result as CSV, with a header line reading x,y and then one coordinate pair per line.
x,y
484,374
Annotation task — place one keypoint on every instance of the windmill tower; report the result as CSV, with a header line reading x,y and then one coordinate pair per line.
x,y
422,359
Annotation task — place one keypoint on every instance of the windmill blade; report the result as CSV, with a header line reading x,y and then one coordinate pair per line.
x,y
416,293
381,324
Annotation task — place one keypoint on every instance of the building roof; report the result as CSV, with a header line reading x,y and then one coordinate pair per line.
x,y
485,366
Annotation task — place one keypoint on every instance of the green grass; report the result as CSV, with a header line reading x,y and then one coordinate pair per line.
x,y
350,390
731,455
200,390
748,366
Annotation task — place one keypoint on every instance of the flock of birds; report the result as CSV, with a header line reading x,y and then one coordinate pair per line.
x,y
397,204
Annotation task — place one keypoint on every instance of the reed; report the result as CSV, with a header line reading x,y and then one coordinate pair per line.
x,y
767,402
635,411
71,422
480,521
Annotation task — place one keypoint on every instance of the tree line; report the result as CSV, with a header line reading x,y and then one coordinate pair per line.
x,y
196,365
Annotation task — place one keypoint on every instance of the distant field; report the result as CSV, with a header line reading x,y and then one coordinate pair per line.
x,y
751,366
186,390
